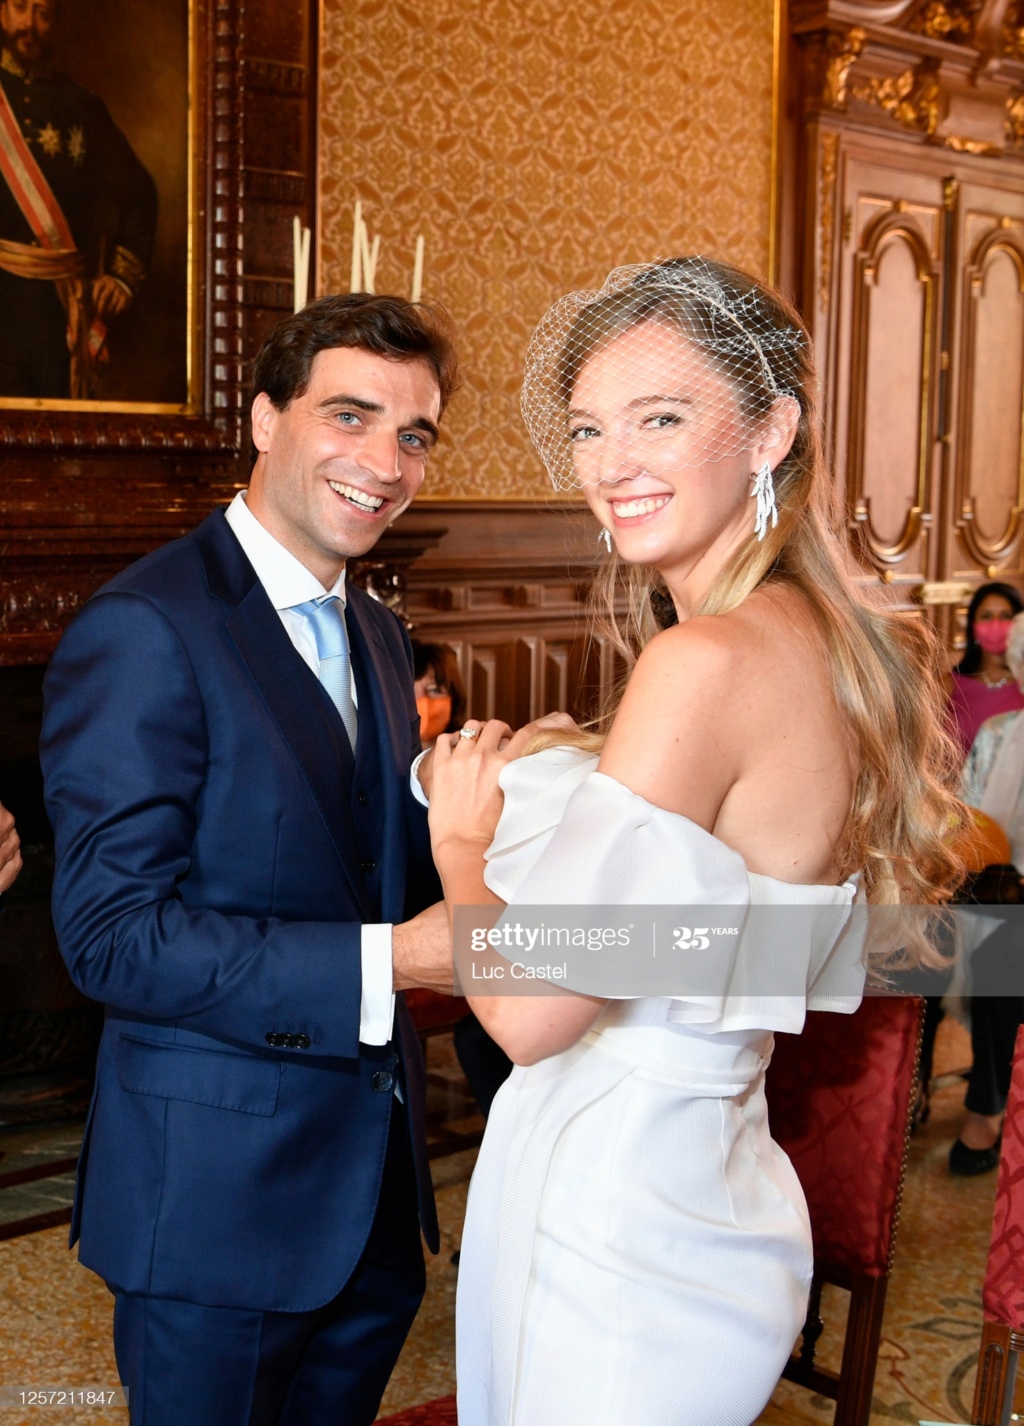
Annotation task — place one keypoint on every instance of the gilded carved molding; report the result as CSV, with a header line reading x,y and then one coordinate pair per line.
x,y
827,182
949,71
911,98
946,20
842,53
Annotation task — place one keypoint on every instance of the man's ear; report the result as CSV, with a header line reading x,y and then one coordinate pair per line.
x,y
264,415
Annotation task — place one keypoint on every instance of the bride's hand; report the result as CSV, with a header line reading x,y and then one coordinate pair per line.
x,y
465,799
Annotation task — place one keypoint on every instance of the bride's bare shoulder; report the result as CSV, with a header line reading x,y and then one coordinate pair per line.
x,y
773,629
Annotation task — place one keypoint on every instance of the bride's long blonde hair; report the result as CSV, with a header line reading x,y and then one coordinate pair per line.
x,y
903,819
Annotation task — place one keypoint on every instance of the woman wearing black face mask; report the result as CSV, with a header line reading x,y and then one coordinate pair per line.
x,y
440,692
982,684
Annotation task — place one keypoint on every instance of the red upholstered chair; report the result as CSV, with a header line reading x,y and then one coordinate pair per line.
x,y
431,1413
432,1013
839,1102
447,1133
1002,1336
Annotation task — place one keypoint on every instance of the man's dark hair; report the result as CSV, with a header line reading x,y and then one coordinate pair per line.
x,y
386,326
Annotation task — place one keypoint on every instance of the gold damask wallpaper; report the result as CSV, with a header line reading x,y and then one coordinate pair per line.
x,y
536,144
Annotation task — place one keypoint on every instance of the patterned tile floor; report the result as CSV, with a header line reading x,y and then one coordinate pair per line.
x,y
55,1316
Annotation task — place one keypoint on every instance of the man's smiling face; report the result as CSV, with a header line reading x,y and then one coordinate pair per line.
x,y
342,460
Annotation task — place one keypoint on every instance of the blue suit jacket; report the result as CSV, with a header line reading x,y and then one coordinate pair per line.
x,y
218,848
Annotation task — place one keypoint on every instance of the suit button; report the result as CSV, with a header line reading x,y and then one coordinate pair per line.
x,y
368,865
274,1039
302,1042
383,1081
288,1042
362,799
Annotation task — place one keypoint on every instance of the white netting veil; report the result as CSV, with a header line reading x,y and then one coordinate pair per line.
x,y
669,364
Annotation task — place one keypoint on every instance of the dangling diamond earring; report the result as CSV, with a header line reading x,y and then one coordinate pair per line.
x,y
764,493
605,538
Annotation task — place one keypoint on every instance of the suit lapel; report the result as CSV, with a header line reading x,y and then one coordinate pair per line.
x,y
385,718
307,720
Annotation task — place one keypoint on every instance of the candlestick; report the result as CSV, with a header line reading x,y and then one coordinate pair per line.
x,y
368,257
356,282
417,270
300,264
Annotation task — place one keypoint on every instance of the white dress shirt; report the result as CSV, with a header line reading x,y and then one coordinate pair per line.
x,y
288,582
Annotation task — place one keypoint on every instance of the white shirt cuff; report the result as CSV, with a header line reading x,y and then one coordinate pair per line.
x,y
414,781
377,1001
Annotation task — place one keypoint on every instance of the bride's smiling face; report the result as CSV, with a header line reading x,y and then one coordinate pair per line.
x,y
661,450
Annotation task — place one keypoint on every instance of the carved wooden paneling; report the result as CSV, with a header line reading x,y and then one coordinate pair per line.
x,y
507,587
989,370
903,130
893,341
880,346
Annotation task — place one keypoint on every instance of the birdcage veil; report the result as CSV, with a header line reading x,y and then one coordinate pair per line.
x,y
703,358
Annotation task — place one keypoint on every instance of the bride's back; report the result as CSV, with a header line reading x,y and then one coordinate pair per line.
x,y
732,722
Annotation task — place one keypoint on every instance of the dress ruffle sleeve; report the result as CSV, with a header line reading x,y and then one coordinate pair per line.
x,y
572,836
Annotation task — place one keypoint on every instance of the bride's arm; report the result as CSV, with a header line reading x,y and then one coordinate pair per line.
x,y
464,809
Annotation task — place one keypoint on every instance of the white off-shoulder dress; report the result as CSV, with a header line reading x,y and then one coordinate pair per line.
x,y
636,1249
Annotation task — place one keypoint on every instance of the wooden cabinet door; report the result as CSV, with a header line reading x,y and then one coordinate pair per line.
x,y
885,358
982,531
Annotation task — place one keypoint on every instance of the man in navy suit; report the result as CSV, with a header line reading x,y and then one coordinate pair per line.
x,y
242,868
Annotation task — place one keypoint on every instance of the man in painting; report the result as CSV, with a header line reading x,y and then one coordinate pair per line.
x,y
77,216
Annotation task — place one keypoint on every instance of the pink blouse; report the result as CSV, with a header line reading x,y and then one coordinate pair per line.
x,y
971,701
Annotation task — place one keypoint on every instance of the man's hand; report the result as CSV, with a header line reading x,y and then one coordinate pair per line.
x,y
421,952
110,298
10,850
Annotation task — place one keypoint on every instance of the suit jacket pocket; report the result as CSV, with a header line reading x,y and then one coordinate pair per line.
x,y
222,1081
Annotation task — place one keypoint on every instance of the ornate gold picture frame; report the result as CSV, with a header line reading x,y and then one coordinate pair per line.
x,y
143,148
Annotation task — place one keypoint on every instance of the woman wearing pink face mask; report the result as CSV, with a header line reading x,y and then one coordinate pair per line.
x,y
982,684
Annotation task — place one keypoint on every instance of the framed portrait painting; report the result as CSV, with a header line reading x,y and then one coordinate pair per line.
x,y
110,287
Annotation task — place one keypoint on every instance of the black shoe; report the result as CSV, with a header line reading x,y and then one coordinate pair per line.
x,y
967,1162
922,1110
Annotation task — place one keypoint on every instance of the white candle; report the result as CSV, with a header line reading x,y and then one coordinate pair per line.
x,y
368,257
356,281
417,271
300,265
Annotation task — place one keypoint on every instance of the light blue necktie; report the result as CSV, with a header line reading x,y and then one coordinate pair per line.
x,y
326,617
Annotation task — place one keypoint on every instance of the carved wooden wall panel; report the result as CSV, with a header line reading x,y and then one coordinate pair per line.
x,y
988,357
892,335
904,137
507,588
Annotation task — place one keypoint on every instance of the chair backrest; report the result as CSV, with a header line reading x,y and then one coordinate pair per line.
x,y
839,1099
1003,1294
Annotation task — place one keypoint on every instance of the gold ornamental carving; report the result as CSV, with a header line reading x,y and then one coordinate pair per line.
x,y
842,52
1015,119
947,20
829,155
912,98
